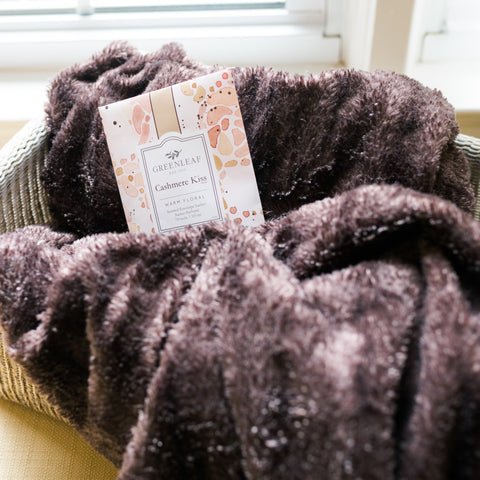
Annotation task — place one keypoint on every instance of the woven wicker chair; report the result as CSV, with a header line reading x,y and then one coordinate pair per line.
x,y
23,202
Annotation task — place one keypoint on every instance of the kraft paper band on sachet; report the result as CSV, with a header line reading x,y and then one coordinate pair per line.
x,y
164,113
181,157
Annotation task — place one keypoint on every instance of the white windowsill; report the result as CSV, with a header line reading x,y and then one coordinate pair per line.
x,y
452,46
22,96
458,81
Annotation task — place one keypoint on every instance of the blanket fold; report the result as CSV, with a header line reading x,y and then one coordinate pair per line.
x,y
339,341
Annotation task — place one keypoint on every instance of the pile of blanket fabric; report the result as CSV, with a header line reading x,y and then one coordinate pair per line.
x,y
338,340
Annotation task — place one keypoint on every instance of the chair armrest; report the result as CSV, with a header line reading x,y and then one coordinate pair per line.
x,y
22,197
471,148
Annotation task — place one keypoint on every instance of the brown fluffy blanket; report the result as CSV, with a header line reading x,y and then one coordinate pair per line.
x,y
340,341
310,137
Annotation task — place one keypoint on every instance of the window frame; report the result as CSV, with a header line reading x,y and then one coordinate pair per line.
x,y
297,33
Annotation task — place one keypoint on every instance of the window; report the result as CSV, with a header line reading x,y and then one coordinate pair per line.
x,y
455,32
434,41
59,32
445,53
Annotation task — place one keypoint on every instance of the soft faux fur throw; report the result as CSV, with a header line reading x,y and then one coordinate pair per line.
x,y
341,341
310,136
